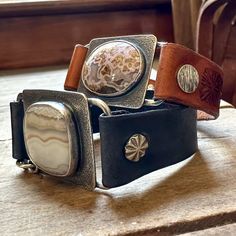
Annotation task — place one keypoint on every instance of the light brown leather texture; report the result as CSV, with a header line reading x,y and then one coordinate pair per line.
x,y
75,68
208,93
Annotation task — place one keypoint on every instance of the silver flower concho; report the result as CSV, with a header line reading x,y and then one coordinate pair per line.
x,y
136,147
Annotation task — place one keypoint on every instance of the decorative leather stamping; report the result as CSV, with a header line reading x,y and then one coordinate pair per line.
x,y
211,86
208,91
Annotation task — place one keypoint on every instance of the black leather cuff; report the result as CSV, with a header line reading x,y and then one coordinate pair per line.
x,y
170,132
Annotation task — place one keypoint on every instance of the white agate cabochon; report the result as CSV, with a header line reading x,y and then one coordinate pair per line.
x,y
48,134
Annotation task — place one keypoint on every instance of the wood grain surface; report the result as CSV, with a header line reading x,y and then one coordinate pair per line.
x,y
228,230
195,195
42,33
42,7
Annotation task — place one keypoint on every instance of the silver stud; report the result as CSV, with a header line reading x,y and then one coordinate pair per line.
x,y
188,78
136,147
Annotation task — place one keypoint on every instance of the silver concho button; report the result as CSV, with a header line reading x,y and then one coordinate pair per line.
x,y
188,78
48,133
113,68
136,147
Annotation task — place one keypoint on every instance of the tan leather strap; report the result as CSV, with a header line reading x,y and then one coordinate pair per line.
x,y
75,68
207,95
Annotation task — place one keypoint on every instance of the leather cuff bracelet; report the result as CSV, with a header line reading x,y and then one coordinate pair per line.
x,y
186,77
52,133
117,70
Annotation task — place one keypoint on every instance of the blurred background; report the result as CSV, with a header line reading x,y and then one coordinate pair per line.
x,y
37,33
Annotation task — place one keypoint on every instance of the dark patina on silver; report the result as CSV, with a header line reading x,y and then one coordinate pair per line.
x,y
134,96
85,175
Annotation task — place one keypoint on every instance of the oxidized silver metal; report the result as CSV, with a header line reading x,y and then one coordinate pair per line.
x,y
135,95
136,147
27,165
152,102
188,78
101,104
85,174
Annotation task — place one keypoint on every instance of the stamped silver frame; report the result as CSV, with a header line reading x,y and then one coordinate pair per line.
x,y
85,174
134,97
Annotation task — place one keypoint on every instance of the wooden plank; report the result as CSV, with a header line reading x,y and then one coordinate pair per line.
x,y
44,37
193,195
228,230
42,7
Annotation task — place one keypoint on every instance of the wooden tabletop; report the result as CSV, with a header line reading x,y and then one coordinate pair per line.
x,y
195,197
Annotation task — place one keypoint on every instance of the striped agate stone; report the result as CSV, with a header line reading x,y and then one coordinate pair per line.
x,y
48,139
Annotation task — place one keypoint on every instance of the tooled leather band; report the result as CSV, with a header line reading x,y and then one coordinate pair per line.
x,y
170,131
207,95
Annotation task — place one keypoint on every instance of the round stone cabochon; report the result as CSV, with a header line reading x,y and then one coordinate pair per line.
x,y
112,68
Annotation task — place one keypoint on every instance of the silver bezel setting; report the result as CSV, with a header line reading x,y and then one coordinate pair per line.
x,y
85,174
135,95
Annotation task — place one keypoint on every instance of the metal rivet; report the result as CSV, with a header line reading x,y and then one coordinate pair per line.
x,y
188,78
136,147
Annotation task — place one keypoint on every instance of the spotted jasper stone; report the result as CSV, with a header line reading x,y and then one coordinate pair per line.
x,y
112,68
48,137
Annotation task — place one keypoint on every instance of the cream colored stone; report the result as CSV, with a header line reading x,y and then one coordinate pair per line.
x,y
47,137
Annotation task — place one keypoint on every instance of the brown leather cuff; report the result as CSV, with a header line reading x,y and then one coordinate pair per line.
x,y
183,76
203,85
